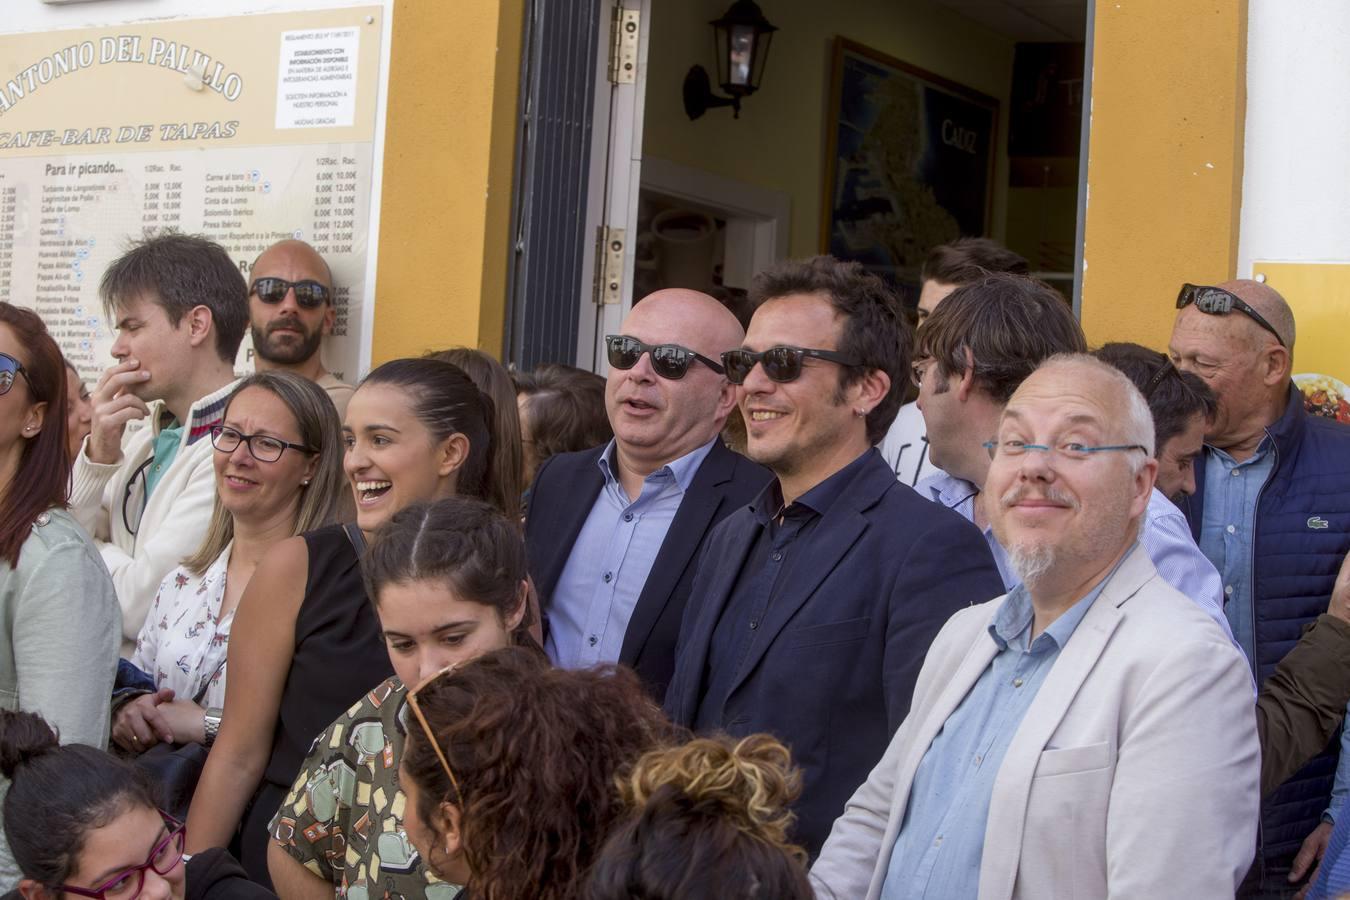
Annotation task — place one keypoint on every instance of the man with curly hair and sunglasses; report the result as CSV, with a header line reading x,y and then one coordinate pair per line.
x,y
290,311
813,607
613,531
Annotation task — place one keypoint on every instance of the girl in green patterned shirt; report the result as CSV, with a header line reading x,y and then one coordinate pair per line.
x,y
448,581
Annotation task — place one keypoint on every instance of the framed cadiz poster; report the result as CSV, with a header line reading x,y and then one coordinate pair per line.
x,y
909,163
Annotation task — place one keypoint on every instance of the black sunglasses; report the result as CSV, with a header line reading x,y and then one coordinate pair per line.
x,y
670,361
781,364
9,367
1218,302
309,293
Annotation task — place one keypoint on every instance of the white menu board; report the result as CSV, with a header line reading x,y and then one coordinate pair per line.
x,y
222,139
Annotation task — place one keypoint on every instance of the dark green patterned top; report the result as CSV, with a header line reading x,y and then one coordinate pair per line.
x,y
343,819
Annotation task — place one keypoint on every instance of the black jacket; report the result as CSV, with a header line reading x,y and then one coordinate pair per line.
x,y
564,490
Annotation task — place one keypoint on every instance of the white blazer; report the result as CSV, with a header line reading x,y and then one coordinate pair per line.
x,y
1134,774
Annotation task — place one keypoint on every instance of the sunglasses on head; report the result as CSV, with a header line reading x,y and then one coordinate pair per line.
x,y
308,293
670,361
1218,302
9,368
426,727
781,364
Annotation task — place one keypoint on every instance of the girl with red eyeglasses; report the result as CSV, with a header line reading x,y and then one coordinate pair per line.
x,y
82,823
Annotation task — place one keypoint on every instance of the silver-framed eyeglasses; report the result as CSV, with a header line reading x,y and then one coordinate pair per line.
x,y
262,447
1073,450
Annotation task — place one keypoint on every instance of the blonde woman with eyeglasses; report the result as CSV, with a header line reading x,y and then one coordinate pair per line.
x,y
278,470
448,583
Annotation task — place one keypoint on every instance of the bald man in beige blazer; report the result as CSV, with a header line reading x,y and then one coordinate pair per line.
x,y
1134,770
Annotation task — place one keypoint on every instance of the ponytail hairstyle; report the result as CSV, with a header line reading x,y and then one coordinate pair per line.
x,y
58,794
465,543
43,478
708,819
509,455
446,401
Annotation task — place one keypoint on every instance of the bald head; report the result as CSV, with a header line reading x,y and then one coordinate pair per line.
x,y
1267,301
291,256
1089,376
689,318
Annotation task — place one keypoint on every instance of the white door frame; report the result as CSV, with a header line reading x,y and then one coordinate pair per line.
x,y
616,163
757,218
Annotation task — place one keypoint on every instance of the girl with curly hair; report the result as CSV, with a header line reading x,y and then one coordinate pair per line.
x,y
706,819
509,771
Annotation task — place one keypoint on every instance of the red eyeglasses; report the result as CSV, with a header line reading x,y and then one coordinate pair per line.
x,y
126,884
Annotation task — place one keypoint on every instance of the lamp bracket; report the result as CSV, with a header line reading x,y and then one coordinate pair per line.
x,y
699,97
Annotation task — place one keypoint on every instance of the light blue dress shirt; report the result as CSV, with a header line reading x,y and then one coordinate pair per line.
x,y
1227,529
1164,534
611,559
937,852
1227,535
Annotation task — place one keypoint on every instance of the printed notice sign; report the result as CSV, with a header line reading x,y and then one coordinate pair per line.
x,y
242,147
316,82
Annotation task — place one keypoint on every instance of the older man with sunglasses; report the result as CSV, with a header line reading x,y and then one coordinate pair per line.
x,y
613,532
290,311
1272,512
812,609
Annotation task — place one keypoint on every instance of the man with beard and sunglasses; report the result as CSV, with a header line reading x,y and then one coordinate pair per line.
x,y
290,310
812,608
1091,733
613,532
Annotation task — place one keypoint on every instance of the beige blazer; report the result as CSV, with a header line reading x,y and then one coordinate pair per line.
x,y
1134,774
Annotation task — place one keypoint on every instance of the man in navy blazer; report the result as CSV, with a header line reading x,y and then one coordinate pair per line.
x,y
612,532
812,609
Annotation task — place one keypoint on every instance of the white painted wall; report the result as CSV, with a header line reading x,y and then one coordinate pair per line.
x,y
1296,177
17,16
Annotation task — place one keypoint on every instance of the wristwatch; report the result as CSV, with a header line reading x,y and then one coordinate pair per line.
x,y
211,724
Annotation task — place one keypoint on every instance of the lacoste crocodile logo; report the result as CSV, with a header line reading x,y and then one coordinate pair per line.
x,y
1317,523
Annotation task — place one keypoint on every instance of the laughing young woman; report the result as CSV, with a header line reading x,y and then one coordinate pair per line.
x,y
306,643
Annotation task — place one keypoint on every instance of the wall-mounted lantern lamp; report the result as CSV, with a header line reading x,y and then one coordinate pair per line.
x,y
741,39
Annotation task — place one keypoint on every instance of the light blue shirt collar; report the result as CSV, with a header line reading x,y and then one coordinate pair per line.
x,y
1015,616
683,469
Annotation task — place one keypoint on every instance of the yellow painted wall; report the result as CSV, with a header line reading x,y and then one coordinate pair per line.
x,y
779,140
1164,160
449,147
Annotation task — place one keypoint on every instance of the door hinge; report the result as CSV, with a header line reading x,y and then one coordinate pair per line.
x,y
623,45
609,266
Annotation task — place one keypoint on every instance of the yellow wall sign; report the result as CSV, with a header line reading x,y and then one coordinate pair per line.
x,y
1319,294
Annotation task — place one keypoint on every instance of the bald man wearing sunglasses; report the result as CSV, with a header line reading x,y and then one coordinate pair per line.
x,y
290,311
813,607
613,532
1272,512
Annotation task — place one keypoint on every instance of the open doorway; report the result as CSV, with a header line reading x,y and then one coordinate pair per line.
x,y
966,120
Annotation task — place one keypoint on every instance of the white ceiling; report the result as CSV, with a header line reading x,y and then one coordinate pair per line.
x,y
1027,20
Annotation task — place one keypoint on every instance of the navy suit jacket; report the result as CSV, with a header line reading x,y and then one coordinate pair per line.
x,y
831,668
564,491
